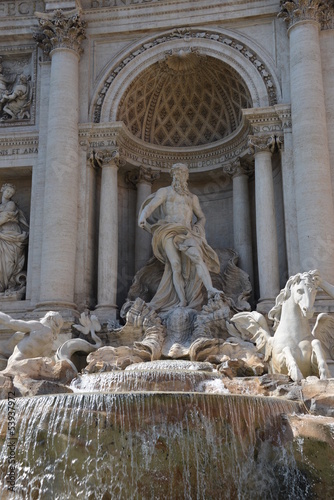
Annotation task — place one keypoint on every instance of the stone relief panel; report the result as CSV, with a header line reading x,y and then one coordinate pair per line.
x,y
17,89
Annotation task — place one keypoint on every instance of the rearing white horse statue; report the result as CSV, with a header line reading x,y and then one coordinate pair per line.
x,y
294,349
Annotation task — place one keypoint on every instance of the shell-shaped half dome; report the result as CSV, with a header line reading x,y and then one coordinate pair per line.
x,y
185,100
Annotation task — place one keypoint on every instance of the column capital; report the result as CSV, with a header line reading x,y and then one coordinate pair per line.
x,y
142,174
261,143
239,167
60,30
104,158
295,11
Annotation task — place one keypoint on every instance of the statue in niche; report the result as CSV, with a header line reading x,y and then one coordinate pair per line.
x,y
13,240
180,244
15,105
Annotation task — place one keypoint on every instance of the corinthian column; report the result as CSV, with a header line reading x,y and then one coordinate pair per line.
x,y
314,197
266,233
143,177
108,235
60,35
242,234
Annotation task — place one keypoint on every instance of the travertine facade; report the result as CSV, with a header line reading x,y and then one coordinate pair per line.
x,y
99,98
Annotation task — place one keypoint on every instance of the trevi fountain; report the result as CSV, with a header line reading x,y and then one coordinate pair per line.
x,y
166,249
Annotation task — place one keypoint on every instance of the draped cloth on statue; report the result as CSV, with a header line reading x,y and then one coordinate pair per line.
x,y
13,241
184,239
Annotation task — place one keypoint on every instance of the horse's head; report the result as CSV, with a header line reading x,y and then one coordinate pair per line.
x,y
301,289
303,292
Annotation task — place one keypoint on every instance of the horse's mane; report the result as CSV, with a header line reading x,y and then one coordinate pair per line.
x,y
275,313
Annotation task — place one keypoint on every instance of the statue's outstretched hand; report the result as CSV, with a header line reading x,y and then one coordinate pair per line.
x,y
142,222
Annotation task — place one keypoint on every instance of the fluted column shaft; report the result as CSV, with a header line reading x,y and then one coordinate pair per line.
x,y
314,198
242,234
142,238
266,232
143,177
108,237
61,182
60,35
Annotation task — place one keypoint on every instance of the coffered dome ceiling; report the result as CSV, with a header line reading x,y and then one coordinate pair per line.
x,y
186,100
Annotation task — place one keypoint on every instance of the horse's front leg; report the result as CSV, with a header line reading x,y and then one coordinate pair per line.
x,y
318,359
293,369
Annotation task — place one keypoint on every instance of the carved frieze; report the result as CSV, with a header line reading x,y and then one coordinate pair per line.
x,y
300,10
18,146
60,29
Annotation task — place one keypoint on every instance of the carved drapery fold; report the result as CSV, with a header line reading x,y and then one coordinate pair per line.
x,y
60,29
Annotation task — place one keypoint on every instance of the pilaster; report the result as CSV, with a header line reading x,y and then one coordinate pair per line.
x,y
262,147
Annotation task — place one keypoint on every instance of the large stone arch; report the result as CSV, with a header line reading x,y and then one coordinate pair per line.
x,y
240,53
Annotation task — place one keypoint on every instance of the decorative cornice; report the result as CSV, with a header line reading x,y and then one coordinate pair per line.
x,y
295,11
273,119
189,35
261,143
97,137
60,29
142,175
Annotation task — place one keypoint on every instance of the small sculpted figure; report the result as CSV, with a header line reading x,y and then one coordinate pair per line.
x,y
16,104
39,337
179,243
13,241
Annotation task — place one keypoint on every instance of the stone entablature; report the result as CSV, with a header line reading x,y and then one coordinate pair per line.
x,y
19,146
137,152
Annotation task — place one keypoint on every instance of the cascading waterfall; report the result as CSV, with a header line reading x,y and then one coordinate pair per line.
x,y
153,445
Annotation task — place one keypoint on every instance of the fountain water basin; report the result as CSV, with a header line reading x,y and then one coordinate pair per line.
x,y
156,433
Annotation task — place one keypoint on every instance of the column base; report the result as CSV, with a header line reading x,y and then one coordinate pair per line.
x,y
68,310
324,304
264,305
105,313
